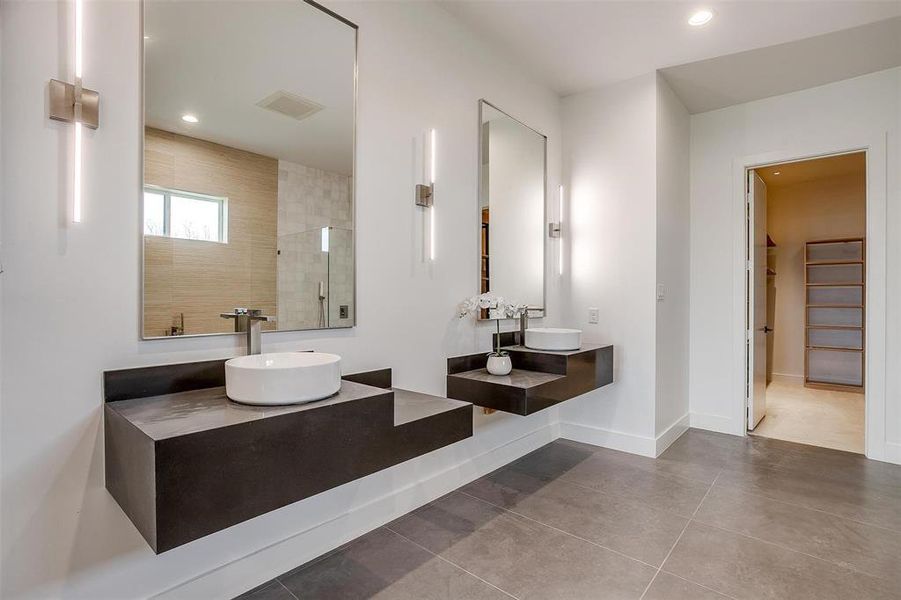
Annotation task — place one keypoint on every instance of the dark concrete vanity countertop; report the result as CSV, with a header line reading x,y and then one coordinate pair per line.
x,y
188,462
540,378
183,413
414,406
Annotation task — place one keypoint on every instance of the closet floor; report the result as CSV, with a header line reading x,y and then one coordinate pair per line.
x,y
823,418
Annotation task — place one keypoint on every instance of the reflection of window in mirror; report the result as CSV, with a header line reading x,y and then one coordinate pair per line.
x,y
171,213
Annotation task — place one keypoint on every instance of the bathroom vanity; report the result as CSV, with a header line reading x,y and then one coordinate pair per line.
x,y
183,461
539,379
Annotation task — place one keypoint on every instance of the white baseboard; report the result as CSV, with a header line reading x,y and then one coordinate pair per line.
x,y
893,453
605,438
713,423
788,378
246,572
671,434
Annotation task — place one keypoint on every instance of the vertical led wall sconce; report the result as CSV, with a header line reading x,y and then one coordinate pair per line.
x,y
555,230
425,194
72,103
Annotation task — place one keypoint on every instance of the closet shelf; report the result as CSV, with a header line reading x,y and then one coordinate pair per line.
x,y
834,305
834,262
836,348
834,354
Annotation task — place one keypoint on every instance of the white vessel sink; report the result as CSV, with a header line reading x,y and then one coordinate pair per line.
x,y
550,338
282,377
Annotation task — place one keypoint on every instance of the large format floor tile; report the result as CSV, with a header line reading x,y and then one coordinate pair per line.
x,y
520,556
742,567
670,587
618,523
880,506
382,564
721,516
866,548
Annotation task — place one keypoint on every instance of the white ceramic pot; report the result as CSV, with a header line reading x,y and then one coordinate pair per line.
x,y
499,365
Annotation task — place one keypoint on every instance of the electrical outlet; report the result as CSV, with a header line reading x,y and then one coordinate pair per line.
x,y
661,292
594,315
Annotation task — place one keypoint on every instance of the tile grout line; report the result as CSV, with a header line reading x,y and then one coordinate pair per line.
x,y
676,543
453,564
700,585
567,533
739,490
286,588
789,549
562,479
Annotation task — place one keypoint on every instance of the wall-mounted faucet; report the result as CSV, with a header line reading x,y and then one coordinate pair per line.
x,y
249,321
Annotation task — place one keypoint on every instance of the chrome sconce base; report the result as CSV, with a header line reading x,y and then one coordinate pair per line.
x,y
424,195
554,230
73,104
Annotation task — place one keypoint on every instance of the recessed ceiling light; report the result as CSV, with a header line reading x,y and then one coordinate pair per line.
x,y
190,119
777,172
701,17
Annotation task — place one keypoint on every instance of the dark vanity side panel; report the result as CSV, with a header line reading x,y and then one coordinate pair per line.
x,y
461,364
543,362
431,433
380,378
585,371
142,382
130,472
488,395
214,479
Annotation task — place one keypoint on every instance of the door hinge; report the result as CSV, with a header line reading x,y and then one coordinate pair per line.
x,y
748,265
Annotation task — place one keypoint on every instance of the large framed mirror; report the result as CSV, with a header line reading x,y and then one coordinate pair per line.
x,y
512,207
247,198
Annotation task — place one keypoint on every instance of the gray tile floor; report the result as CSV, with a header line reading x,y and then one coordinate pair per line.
x,y
715,516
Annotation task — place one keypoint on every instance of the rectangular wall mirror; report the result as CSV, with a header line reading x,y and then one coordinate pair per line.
x,y
248,187
512,188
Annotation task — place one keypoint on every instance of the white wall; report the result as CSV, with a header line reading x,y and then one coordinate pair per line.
x,y
70,301
673,136
609,166
822,209
626,163
864,108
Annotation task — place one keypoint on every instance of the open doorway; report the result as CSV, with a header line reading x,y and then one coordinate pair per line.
x,y
806,301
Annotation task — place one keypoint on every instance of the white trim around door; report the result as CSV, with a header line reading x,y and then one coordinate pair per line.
x,y
875,146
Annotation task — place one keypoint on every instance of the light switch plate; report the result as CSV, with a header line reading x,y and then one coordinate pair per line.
x,y
594,315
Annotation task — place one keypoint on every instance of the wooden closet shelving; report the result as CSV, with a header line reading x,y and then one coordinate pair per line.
x,y
834,314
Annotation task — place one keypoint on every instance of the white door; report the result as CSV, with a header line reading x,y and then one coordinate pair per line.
x,y
757,325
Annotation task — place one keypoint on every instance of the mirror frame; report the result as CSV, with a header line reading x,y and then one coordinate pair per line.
x,y
544,270
353,189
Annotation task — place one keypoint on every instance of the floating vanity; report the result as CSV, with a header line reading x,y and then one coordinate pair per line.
x,y
539,379
184,462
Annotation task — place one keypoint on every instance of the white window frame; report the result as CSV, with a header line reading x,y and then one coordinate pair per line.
x,y
167,194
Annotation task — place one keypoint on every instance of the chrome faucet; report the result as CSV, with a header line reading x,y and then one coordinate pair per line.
x,y
524,323
249,321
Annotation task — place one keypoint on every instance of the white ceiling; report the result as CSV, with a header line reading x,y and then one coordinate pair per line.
x,y
755,74
216,60
578,46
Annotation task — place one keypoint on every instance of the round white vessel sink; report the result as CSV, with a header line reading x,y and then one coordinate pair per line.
x,y
282,377
550,338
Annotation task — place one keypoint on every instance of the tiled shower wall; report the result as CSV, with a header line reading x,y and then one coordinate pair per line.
x,y
308,200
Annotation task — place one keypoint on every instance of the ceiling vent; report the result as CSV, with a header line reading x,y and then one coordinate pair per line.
x,y
290,105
